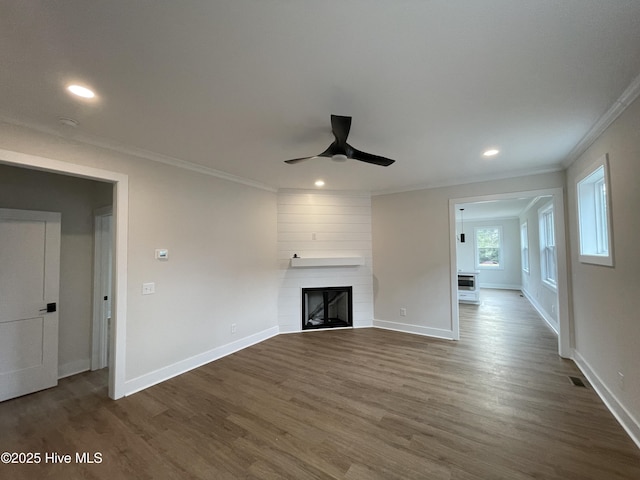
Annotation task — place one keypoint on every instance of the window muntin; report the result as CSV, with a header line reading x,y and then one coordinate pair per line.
x,y
548,262
524,246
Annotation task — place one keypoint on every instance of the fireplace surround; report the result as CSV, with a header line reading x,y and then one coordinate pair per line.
x,y
327,307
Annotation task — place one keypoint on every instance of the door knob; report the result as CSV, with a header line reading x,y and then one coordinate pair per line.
x,y
51,307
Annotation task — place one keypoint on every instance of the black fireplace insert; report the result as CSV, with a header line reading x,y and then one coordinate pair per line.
x,y
327,307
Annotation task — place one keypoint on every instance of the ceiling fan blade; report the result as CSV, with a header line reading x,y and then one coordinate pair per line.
x,y
340,126
298,160
370,158
341,150
326,153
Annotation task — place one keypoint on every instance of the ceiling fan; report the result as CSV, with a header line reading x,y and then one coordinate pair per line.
x,y
340,150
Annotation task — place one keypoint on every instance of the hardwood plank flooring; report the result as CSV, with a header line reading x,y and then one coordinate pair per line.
x,y
350,404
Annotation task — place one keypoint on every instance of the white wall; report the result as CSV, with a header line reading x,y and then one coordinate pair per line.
x,y
411,251
606,303
76,199
222,269
341,226
543,298
509,275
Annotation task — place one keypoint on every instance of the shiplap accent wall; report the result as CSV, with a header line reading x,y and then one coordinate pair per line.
x,y
341,226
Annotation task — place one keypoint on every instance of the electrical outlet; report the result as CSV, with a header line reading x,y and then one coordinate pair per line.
x,y
403,312
233,328
148,288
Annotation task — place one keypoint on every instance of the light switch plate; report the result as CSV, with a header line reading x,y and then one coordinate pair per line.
x,y
162,254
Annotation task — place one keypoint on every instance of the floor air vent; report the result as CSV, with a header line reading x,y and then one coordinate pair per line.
x,y
577,382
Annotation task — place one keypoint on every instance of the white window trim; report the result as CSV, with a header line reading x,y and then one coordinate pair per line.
x,y
592,258
475,248
552,285
524,242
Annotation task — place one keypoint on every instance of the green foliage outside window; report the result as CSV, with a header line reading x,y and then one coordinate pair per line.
x,y
488,246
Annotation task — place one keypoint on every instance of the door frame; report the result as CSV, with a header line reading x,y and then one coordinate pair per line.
x,y
120,183
100,348
565,333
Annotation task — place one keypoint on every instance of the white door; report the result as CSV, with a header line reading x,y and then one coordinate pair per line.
x,y
29,285
103,253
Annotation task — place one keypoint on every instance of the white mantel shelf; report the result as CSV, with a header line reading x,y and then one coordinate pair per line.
x,y
327,262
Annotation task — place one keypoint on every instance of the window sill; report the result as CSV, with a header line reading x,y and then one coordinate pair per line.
x,y
551,286
605,260
489,269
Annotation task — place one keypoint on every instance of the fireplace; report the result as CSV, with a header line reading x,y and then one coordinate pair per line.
x,y
327,307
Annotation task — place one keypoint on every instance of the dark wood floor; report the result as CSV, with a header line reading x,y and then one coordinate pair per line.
x,y
349,404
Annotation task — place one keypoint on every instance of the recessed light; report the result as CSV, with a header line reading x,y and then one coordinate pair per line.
x,y
81,91
491,152
319,183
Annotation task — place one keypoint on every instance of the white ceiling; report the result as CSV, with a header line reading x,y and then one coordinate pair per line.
x,y
493,209
241,85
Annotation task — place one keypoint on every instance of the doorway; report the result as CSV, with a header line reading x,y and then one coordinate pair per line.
x,y
555,199
102,281
119,262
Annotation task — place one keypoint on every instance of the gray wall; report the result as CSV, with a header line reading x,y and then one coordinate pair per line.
x,y
606,303
222,242
76,199
411,257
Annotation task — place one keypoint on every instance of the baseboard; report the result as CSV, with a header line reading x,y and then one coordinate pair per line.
x,y
145,381
414,329
541,311
289,329
73,368
630,424
501,286
368,323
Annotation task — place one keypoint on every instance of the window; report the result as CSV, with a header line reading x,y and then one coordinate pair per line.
x,y
488,242
524,246
548,267
594,215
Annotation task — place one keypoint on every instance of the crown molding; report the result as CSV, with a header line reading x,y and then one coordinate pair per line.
x,y
342,193
620,105
469,180
627,97
138,152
